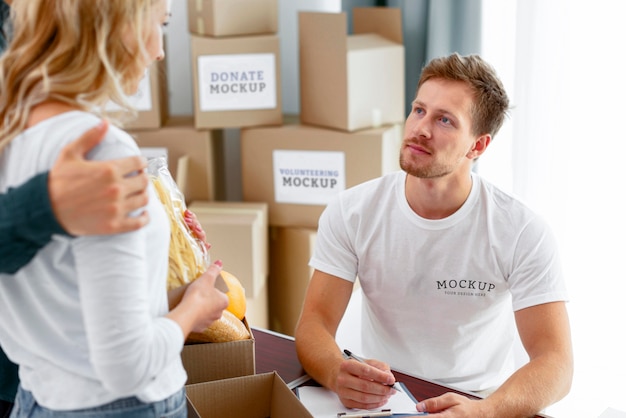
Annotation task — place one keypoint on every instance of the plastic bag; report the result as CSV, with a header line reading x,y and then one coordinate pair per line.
x,y
188,256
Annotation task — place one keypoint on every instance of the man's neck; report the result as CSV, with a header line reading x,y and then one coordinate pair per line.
x,y
437,198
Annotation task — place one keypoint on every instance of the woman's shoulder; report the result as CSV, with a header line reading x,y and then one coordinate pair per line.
x,y
69,126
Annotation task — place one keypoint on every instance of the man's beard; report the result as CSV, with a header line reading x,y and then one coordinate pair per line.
x,y
429,171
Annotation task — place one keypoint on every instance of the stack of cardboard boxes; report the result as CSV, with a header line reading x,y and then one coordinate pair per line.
x,y
352,102
235,55
236,83
348,132
352,95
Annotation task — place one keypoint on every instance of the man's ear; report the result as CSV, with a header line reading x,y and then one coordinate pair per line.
x,y
480,145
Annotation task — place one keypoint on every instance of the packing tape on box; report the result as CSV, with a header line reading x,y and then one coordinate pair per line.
x,y
200,25
199,5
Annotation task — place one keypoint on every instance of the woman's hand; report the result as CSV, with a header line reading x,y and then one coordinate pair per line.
x,y
192,222
201,303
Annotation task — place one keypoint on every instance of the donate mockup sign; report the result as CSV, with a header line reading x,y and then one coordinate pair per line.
x,y
308,177
237,82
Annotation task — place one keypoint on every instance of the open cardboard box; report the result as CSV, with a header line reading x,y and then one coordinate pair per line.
x,y
206,362
258,396
232,17
356,81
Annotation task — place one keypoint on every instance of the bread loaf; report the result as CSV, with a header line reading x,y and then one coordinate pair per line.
x,y
227,328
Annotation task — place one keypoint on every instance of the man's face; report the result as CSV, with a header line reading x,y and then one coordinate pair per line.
x,y
437,135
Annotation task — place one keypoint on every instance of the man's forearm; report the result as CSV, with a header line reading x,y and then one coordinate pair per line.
x,y
535,386
318,353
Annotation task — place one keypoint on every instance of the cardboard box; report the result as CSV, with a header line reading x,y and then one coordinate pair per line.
x,y
150,101
351,82
238,234
290,252
259,396
232,17
236,81
214,361
297,169
257,307
193,149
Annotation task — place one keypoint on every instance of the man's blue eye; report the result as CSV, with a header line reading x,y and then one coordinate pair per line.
x,y
445,120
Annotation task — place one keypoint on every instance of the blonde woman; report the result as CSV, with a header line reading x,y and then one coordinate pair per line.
x,y
87,320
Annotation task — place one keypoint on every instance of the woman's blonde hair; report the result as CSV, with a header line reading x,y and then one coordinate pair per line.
x,y
80,52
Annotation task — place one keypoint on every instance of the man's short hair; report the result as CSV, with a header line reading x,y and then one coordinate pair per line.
x,y
491,102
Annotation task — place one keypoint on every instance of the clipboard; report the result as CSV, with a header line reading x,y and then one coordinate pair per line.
x,y
324,403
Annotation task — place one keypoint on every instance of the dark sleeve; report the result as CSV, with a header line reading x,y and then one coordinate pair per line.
x,y
27,223
4,25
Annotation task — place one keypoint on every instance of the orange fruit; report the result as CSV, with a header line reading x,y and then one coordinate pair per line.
x,y
236,295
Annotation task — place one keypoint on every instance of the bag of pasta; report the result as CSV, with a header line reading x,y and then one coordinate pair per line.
x,y
188,255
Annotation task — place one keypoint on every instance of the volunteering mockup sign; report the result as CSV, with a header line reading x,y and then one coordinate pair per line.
x,y
308,177
237,82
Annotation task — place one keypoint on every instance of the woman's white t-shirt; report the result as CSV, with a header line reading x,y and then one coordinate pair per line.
x,y
85,318
439,295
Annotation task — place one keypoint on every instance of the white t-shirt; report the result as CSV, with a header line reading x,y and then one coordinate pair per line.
x,y
439,295
85,318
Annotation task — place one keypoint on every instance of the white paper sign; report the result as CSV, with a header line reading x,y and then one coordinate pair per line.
x,y
308,177
236,82
153,152
142,100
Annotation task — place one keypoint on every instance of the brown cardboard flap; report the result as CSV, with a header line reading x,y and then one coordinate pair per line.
x,y
232,17
182,174
214,361
235,397
346,84
290,251
385,21
323,48
368,41
258,396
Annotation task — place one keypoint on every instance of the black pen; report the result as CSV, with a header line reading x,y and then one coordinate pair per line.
x,y
348,354
365,414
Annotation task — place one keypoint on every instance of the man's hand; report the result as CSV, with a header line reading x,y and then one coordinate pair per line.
x,y
364,385
451,405
96,197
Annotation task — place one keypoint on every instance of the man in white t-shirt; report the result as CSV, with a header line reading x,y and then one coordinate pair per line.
x,y
450,266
